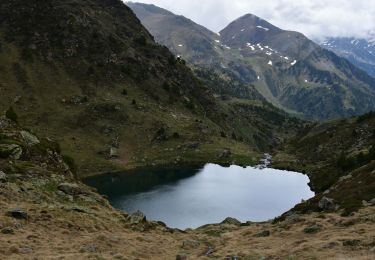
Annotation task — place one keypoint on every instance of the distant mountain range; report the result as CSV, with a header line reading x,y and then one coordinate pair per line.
x,y
285,67
360,52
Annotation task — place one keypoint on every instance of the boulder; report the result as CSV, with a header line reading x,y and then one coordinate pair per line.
x,y
351,242
372,202
231,221
17,213
70,189
190,244
3,176
25,250
7,231
327,204
113,153
225,153
312,229
265,233
292,218
136,218
13,151
29,138
346,177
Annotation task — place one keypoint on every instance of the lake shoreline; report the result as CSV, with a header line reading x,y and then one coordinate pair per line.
x,y
192,197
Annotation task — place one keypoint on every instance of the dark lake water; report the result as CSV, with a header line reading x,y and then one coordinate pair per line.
x,y
190,198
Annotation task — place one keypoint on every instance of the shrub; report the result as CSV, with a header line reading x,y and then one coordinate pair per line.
x,y
166,87
141,40
70,162
11,114
366,116
181,61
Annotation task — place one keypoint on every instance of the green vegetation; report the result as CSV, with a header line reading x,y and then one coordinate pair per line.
x,y
339,157
11,114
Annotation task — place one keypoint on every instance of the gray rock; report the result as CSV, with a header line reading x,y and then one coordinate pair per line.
x,y
13,151
327,204
331,245
346,177
70,189
351,242
193,145
136,218
225,153
365,203
3,176
90,248
7,230
29,138
76,208
372,202
265,233
312,229
292,218
190,244
17,213
231,221
25,250
113,153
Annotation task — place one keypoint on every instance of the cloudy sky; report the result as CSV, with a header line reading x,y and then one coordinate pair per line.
x,y
315,18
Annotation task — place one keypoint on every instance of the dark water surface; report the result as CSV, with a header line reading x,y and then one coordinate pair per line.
x,y
190,198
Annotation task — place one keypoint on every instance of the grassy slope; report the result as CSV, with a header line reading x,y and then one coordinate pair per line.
x,y
330,151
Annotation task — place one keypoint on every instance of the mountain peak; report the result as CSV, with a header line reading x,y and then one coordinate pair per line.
x,y
248,28
252,22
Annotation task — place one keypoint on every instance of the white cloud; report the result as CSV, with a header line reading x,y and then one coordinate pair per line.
x,y
315,18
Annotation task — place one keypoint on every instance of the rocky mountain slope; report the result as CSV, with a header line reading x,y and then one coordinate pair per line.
x,y
87,73
287,68
360,52
45,213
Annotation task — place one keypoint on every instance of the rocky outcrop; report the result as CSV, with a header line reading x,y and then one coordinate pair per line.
x,y
327,204
231,221
70,189
13,151
29,138
17,213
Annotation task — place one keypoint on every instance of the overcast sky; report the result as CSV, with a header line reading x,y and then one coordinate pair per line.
x,y
315,18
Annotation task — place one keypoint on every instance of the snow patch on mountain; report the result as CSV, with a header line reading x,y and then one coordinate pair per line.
x,y
263,28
